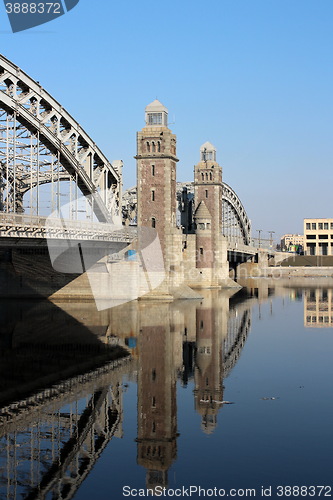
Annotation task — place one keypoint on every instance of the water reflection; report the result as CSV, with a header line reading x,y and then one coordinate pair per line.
x,y
63,402
318,308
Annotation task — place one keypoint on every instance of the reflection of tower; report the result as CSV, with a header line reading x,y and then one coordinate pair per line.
x,y
157,419
208,372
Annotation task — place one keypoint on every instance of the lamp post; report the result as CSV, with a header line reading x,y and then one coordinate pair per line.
x,y
271,238
259,240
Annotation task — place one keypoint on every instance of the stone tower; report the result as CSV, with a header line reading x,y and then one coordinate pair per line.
x,y
156,174
208,185
204,241
211,257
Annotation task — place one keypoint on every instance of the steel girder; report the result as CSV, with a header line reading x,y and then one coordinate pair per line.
x,y
35,116
232,208
231,199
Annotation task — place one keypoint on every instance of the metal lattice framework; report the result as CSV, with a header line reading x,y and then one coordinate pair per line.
x,y
236,223
40,143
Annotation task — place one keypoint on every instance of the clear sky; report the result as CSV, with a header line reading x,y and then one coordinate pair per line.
x,y
254,77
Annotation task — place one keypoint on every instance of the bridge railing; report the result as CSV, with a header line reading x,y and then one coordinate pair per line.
x,y
29,226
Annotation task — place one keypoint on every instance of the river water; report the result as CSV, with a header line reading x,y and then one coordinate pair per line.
x,y
231,393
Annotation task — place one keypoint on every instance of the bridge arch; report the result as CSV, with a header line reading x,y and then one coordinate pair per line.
x,y
236,223
40,142
234,215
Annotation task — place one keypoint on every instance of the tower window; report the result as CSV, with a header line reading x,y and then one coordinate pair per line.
x,y
148,147
206,193
201,251
211,176
153,195
153,402
159,146
154,118
153,170
202,176
153,222
153,148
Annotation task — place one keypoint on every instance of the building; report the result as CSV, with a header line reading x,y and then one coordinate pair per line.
x,y
318,236
195,254
292,242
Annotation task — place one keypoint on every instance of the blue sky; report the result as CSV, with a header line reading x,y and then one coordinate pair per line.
x,y
254,77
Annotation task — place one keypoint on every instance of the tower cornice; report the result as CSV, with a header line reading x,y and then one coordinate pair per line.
x,y
157,156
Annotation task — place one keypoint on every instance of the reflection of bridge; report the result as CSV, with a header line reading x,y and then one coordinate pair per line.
x,y
51,440
47,159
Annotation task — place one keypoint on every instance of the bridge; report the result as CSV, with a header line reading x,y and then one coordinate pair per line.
x,y
47,161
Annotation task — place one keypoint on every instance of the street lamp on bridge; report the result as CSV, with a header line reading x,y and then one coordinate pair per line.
x,y
259,240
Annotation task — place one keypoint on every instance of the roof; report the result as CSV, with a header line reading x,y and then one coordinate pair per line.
x,y
202,211
156,106
208,146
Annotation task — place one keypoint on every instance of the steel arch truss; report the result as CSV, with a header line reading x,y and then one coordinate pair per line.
x,y
41,143
236,223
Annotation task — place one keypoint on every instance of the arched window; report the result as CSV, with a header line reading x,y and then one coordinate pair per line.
x,y
206,176
153,222
153,147
148,147
202,176
210,176
159,146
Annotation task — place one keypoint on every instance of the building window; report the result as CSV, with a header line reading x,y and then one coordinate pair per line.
x,y
314,225
210,176
153,402
153,427
153,170
148,147
201,251
153,195
153,374
202,176
159,146
153,148
331,225
325,225
308,226
320,225
310,236
206,192
323,236
153,222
